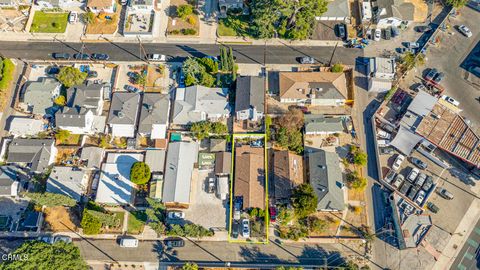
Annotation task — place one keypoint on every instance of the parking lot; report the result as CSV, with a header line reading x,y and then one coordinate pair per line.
x,y
104,74
205,209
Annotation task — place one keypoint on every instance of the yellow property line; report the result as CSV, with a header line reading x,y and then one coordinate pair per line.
x,y
267,219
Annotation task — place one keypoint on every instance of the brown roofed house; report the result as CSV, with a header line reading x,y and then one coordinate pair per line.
x,y
250,176
223,162
315,88
288,173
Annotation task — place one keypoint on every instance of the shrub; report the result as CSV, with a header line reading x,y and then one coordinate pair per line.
x,y
140,173
6,76
50,199
60,100
191,20
188,31
90,224
337,68
106,219
304,200
70,76
62,135
184,10
175,32
54,24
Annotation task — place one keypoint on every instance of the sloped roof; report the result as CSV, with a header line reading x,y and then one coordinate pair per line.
x,y
337,8
396,8
250,176
287,173
223,162
196,100
8,176
68,181
155,159
39,94
84,95
217,145
71,117
154,111
93,155
250,93
124,108
22,126
34,151
320,123
326,179
99,3
319,85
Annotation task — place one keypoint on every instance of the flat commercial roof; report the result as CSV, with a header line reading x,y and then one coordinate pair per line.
x,y
405,140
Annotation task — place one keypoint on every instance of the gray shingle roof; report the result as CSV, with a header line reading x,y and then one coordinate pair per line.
x,y
326,179
34,151
72,117
8,175
93,156
250,93
178,172
396,8
86,95
337,8
154,111
67,181
198,99
155,159
39,95
319,123
124,108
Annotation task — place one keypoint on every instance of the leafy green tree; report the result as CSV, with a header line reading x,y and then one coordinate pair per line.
x,y
62,135
70,76
316,225
90,224
207,80
411,60
184,10
140,173
190,266
304,200
290,139
337,68
156,216
210,64
355,181
141,79
285,215
359,156
60,100
50,199
218,128
42,256
201,130
457,3
190,80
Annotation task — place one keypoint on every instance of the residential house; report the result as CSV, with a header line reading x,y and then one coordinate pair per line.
x,y
155,159
92,156
249,182
87,95
14,3
97,6
313,88
317,124
9,182
337,10
123,115
181,157
35,154
326,178
141,6
38,96
69,181
63,4
223,163
154,115
287,173
250,98
391,13
217,145
24,126
382,73
225,5
114,186
199,103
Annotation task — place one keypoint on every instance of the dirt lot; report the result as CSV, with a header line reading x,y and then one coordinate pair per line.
x,y
103,26
155,74
12,20
60,219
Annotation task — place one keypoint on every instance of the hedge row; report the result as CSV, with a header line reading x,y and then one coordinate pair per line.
x,y
6,75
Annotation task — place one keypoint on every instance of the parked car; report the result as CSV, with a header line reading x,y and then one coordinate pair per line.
x,y
174,242
412,45
307,60
132,75
405,50
176,215
418,162
420,197
377,34
383,134
92,74
438,78
423,28
420,87
131,88
421,179
428,183
236,211
398,162
72,17
430,74
107,90
445,194
383,143
390,176
387,33
47,239
61,56
398,181
272,211
211,185
413,192
100,56
342,33
413,174
451,100
81,56
53,70
235,229
464,30
246,228
405,188
156,57
129,242
432,207
386,150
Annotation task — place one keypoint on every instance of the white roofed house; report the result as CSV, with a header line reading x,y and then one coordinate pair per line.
x,y
68,181
123,115
24,126
391,13
154,115
141,6
250,98
199,103
63,4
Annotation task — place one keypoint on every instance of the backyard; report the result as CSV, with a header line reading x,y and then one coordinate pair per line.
x,y
46,22
183,19
103,23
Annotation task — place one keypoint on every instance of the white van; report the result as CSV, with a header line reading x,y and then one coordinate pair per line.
x,y
129,242
382,143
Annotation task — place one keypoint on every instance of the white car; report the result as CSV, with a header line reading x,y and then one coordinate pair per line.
x,y
398,162
175,215
377,34
464,30
413,174
451,100
73,17
420,197
246,228
156,57
398,181
383,134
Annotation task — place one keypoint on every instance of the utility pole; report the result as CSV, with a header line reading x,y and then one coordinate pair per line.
x,y
333,53
142,53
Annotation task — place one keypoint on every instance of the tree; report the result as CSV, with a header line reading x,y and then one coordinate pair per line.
x,y
292,119
200,130
411,60
184,10
89,17
141,79
90,224
304,200
50,199
315,224
337,68
285,215
190,266
359,156
60,100
70,76
219,128
355,181
291,139
210,64
457,3
36,255
140,173
62,135
207,80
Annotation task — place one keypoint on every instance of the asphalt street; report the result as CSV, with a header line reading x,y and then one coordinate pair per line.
x,y
132,52
469,256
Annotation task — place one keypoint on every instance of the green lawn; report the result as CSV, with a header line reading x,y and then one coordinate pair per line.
x,y
233,26
136,222
49,22
73,139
